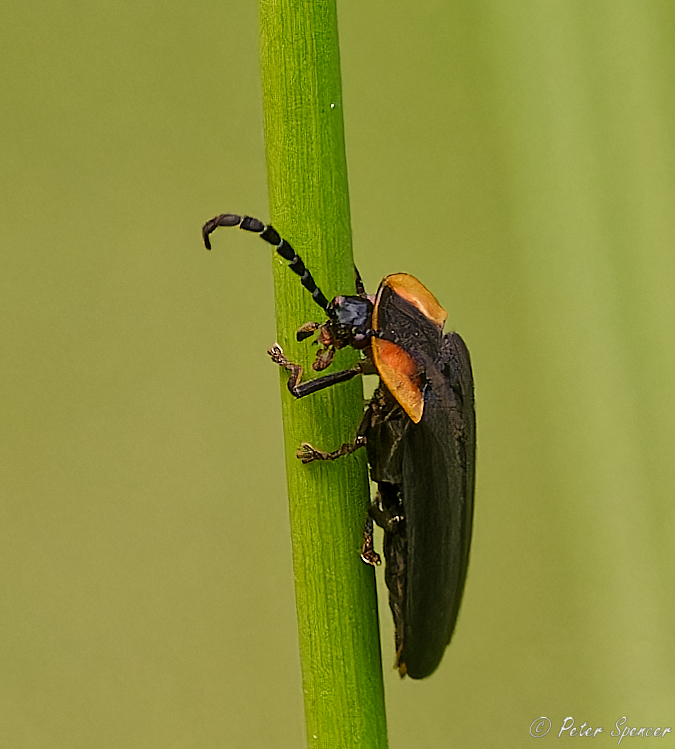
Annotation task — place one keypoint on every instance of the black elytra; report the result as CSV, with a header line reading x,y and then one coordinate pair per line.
x,y
419,430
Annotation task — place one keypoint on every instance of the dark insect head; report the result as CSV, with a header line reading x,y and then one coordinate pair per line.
x,y
351,319
349,324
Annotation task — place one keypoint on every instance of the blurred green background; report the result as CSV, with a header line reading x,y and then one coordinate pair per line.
x,y
518,158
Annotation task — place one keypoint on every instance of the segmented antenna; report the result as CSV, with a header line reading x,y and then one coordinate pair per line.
x,y
270,235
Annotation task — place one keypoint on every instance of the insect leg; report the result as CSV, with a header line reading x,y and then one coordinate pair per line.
x,y
368,553
307,454
311,386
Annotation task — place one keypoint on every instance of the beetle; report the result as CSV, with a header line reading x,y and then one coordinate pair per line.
x,y
419,431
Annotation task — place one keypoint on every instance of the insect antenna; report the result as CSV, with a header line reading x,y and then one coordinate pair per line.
x,y
270,235
360,288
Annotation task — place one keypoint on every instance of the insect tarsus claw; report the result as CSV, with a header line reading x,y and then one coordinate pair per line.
x,y
306,453
276,354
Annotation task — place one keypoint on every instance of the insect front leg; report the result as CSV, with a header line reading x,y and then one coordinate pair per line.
x,y
312,386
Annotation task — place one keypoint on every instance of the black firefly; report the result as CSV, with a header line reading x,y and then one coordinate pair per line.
x,y
419,430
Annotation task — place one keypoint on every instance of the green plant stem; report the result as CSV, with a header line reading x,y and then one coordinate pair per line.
x,y
309,205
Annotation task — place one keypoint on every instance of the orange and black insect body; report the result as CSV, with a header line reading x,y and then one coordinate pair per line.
x,y
419,430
